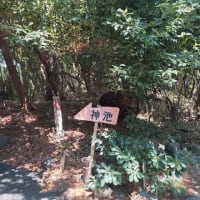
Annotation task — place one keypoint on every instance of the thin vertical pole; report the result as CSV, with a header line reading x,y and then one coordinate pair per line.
x,y
92,151
144,171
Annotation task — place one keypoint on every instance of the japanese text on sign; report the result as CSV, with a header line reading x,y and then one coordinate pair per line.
x,y
102,116
107,115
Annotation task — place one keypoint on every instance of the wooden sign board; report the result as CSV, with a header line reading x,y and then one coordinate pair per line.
x,y
108,115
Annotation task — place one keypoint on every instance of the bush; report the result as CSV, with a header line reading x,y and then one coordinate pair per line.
x,y
124,158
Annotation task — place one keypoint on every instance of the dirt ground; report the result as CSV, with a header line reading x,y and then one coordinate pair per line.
x,y
33,143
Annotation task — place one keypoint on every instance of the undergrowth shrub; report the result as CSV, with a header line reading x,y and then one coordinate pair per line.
x,y
124,157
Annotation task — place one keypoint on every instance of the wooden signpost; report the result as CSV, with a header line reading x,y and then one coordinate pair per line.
x,y
108,115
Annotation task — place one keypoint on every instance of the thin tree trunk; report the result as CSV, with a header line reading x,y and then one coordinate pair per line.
x,y
87,72
45,59
4,45
195,100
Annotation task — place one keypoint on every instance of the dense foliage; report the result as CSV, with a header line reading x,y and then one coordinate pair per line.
x,y
135,158
119,44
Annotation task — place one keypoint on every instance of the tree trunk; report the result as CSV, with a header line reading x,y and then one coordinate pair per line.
x,y
195,100
87,73
4,45
45,59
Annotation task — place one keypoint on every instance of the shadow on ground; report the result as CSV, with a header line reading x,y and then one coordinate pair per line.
x,y
21,185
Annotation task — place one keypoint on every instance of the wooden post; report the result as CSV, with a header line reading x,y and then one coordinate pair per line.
x,y
63,160
144,171
92,151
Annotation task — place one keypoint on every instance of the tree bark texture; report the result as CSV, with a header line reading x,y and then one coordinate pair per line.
x,y
4,45
195,100
51,76
87,73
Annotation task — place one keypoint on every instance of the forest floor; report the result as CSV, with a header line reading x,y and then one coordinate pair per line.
x,y
33,143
